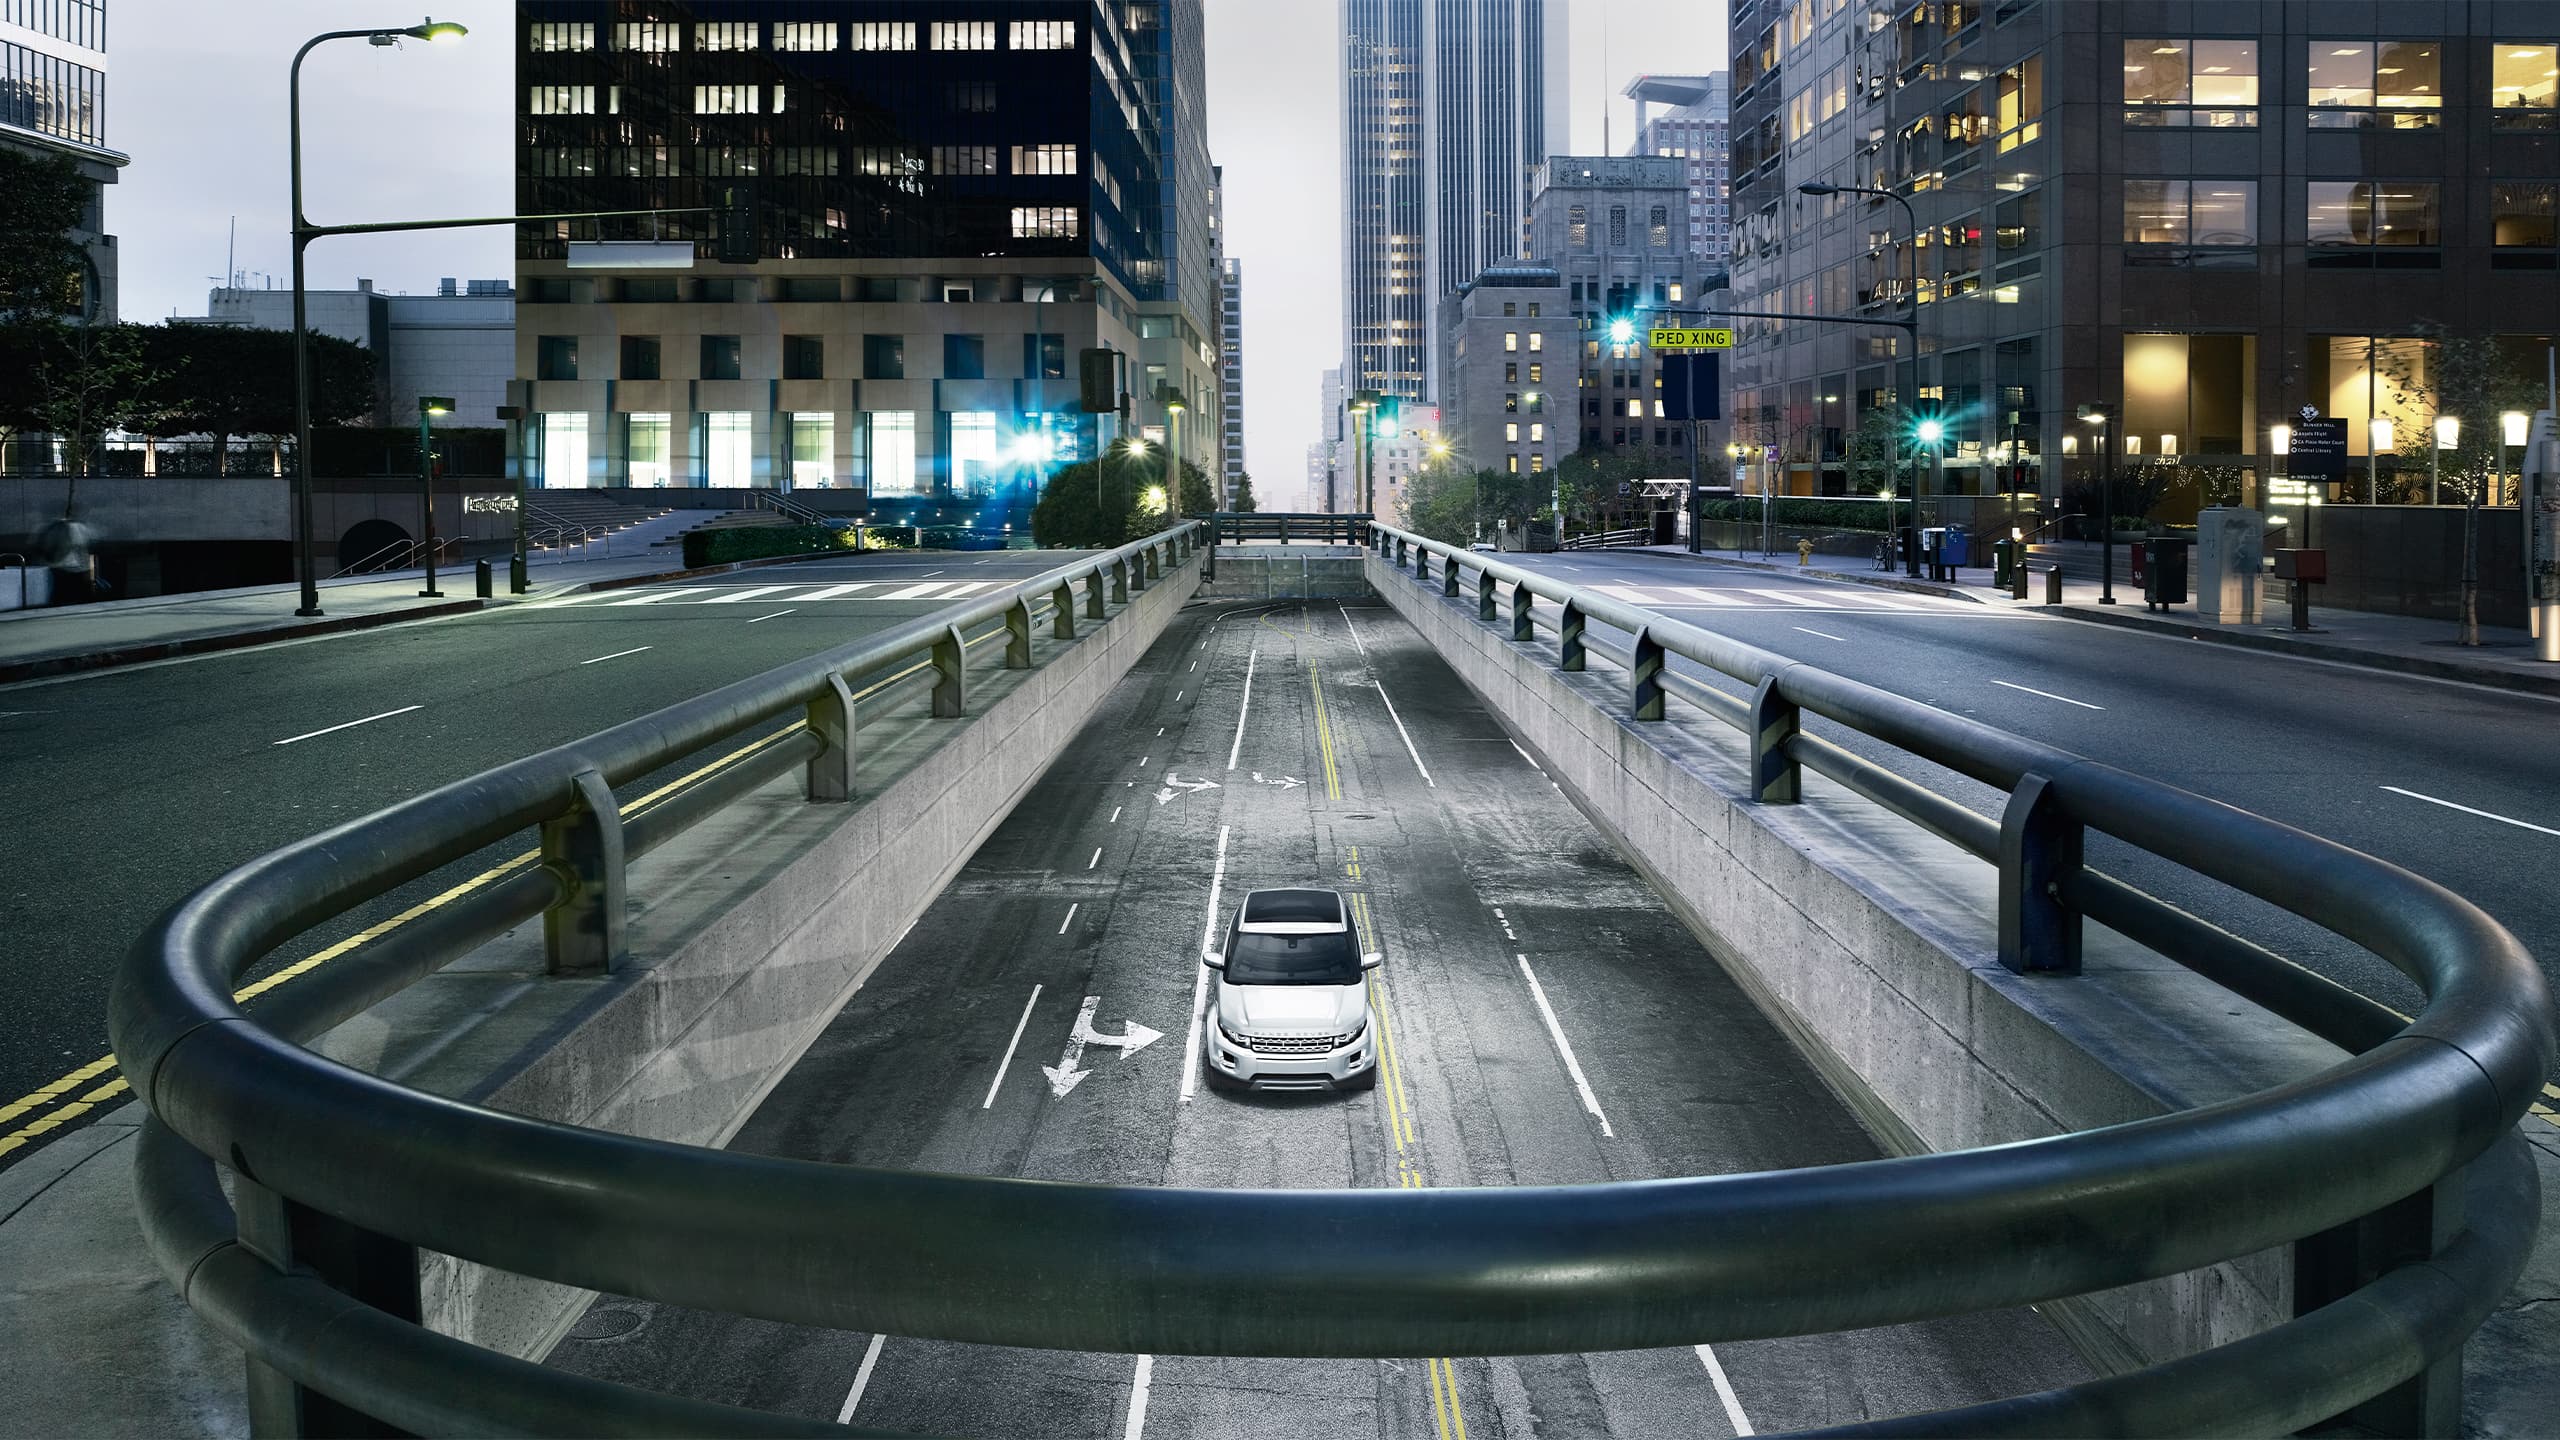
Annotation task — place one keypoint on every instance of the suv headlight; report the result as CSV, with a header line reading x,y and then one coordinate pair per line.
x,y
1230,1036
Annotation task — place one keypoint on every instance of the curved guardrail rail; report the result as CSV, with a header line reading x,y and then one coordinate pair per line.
x,y
342,1177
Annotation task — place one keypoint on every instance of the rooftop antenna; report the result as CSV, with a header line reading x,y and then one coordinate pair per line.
x,y
1604,78
231,255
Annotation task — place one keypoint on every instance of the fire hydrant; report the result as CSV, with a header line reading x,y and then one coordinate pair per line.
x,y
1804,552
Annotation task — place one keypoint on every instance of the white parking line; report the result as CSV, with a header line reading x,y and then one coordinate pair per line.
x,y
1115,815
2430,799
1244,709
1408,739
618,654
1200,975
1001,1067
1564,1047
862,1380
1724,1392
1355,632
350,725
776,615
2049,695
748,592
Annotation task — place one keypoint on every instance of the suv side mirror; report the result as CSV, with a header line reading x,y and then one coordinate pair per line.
x,y
1373,960
1215,960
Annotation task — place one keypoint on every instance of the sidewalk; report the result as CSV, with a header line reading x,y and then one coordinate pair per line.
x,y
2407,644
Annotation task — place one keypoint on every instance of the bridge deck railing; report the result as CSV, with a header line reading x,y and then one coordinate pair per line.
x,y
341,1178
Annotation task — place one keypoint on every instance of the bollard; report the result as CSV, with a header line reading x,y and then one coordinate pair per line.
x,y
2053,586
481,580
2018,577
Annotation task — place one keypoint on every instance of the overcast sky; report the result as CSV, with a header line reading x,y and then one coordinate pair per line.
x,y
196,94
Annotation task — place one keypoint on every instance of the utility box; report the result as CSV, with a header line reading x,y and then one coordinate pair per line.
x,y
2230,554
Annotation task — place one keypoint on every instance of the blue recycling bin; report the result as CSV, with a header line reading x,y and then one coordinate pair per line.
x,y
1958,547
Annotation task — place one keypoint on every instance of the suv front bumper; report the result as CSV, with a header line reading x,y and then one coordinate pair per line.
x,y
1231,1060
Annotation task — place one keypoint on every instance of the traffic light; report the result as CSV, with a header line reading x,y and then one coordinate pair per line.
x,y
1929,431
735,228
1389,419
1098,381
1622,330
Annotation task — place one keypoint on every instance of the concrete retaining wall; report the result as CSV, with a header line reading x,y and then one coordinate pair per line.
x,y
1874,945
1282,572
747,935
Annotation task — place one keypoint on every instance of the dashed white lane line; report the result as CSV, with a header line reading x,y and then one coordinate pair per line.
x,y
2430,799
1200,975
1139,1383
1825,634
656,596
1097,858
618,654
748,592
861,1380
1724,1392
1564,1047
1244,709
349,725
2049,695
776,615
1071,918
992,1085
1408,739
1115,815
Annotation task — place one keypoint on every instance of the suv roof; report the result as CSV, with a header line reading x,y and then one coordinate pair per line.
x,y
1294,910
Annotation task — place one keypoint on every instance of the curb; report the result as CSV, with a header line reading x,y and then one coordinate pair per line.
x,y
1877,581
225,640
2280,644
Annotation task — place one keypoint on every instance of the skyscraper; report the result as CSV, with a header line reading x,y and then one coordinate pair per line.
x,y
1691,129
1449,109
53,102
1231,374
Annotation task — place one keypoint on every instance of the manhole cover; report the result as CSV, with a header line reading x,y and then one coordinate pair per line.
x,y
606,1322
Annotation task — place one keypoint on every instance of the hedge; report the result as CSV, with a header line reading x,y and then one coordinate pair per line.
x,y
755,542
1805,511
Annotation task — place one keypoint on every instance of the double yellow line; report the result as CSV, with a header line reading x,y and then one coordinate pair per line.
x,y
49,1099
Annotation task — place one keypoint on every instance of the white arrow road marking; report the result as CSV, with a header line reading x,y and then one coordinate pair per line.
x,y
1064,1075
1284,782
1194,786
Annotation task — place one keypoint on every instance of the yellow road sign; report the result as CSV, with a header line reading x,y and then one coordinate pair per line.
x,y
1677,340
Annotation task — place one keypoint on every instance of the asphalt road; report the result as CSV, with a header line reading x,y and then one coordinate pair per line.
x,y
1474,874
132,787
2370,759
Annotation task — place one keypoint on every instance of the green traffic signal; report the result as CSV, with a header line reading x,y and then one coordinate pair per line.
x,y
1929,432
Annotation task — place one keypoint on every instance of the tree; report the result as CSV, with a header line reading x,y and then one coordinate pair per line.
x,y
1590,481
228,380
1101,504
2466,377
1245,503
1440,502
87,380
43,271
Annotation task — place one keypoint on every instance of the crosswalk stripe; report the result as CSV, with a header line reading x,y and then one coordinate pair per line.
x,y
1628,593
748,593
654,596
1791,598
1704,596
580,599
912,592
829,592
1852,597
964,587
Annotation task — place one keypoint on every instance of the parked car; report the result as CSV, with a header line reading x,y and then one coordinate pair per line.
x,y
1290,1003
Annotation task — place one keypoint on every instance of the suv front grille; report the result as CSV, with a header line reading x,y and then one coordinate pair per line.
x,y
1298,1044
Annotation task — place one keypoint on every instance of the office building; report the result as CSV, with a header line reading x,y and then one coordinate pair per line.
x,y
2209,215
949,202
1231,375
1513,380
53,102
1691,128
459,343
1449,107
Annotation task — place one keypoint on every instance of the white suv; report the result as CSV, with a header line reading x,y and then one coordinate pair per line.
x,y
1291,1007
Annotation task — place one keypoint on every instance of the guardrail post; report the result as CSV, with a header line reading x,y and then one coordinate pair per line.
x,y
1284,530
1523,626
1449,576
1421,566
831,720
1403,560
1119,582
1093,595
1775,779
1569,627
2335,1263
1209,556
951,661
1644,698
1017,644
1488,596
372,1270
2040,850
1062,626
1155,569
582,935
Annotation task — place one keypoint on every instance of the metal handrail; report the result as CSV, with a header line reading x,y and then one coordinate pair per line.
x,y
790,509
1318,526
404,556
1395,1272
1604,539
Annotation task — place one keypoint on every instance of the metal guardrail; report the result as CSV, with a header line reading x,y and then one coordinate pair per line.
x,y
1608,539
342,1178
2410,1203
1235,527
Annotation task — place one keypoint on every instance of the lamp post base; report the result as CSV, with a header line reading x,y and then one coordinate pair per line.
x,y
309,612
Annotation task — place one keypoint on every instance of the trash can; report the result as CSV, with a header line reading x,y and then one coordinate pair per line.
x,y
2004,555
1958,549
2164,571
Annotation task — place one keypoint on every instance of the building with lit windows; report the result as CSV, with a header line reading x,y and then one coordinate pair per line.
x,y
950,202
1231,373
53,101
2209,215
1691,128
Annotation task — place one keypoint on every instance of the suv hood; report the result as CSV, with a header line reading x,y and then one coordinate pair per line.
x,y
1291,1009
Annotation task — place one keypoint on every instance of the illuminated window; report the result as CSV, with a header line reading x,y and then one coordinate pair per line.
x,y
976,458
1044,35
729,449
884,35
561,100
560,35
2209,83
727,99
2524,85
804,34
2362,84
1537,341
1046,222
1510,342
564,450
964,160
964,34
648,37
644,448
892,450
1511,432
813,450
724,35
1044,160
2351,216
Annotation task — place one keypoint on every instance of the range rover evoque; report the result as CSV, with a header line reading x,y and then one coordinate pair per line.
x,y
1289,1007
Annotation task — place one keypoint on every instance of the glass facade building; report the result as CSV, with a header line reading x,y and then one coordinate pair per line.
x,y
53,101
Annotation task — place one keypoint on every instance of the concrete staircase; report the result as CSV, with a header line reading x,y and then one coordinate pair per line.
x,y
758,519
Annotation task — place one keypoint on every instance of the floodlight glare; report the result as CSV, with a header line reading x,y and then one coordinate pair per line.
x,y
1621,330
1930,431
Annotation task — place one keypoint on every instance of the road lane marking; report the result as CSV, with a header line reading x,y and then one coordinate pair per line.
x,y
1001,1067
1200,979
776,615
1115,815
1355,631
1703,595
1071,918
350,725
1177,696
1324,737
2083,704
1825,634
656,596
618,654
2467,810
1097,858
1790,597
1446,1413
829,592
862,1380
911,592
1138,1386
1564,1047
1245,709
747,592
1408,738
1724,1392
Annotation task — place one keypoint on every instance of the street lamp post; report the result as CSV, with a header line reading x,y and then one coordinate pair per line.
x,y
1911,328
304,232
2103,416
429,406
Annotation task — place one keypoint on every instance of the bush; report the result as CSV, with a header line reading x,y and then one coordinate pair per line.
x,y
722,547
1804,511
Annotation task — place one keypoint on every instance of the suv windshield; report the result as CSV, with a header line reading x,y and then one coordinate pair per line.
x,y
1293,960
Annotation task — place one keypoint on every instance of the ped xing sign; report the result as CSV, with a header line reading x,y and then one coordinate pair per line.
x,y
1679,341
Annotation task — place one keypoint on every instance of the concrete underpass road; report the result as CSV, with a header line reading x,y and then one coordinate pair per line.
x,y
1356,761
132,787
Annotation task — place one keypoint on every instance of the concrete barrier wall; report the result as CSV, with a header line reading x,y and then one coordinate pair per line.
x,y
747,934
1280,572
1874,945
